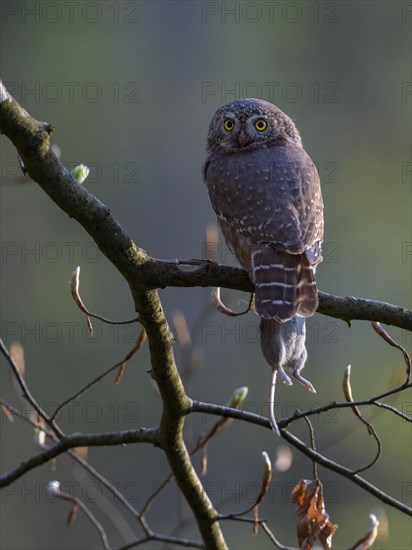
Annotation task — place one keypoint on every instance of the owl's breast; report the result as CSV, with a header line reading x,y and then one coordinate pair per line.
x,y
236,182
271,194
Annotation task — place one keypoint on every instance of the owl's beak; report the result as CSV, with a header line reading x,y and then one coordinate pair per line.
x,y
242,139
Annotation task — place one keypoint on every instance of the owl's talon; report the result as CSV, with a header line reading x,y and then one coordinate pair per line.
x,y
220,306
264,216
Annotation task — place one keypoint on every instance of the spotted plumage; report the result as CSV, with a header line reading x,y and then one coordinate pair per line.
x,y
266,193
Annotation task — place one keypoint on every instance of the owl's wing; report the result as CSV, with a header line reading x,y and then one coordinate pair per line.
x,y
270,195
269,205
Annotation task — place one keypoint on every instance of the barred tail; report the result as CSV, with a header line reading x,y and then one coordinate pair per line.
x,y
284,284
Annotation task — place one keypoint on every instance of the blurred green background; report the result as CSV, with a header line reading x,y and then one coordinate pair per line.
x,y
131,87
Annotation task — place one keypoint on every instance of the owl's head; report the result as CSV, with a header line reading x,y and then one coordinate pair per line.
x,y
247,124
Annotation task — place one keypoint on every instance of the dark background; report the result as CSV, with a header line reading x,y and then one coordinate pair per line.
x,y
131,88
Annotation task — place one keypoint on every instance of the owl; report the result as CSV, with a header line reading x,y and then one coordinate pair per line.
x,y
266,193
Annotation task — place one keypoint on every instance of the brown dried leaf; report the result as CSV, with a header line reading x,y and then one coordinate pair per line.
x,y
17,354
82,452
203,461
6,412
73,512
212,241
312,521
141,338
197,360
236,401
182,330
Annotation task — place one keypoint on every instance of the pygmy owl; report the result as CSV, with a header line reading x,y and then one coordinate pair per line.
x,y
266,193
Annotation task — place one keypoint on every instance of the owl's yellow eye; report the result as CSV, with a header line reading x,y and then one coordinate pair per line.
x,y
228,124
261,124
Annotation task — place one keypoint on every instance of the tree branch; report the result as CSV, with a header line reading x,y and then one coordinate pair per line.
x,y
163,538
209,274
345,472
246,416
144,276
32,141
142,435
26,392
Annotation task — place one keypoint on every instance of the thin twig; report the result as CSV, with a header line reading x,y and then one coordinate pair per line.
x,y
86,466
32,141
74,286
261,522
346,472
383,334
85,388
274,539
339,405
236,401
347,390
163,538
322,460
393,409
118,496
26,392
72,499
120,364
313,446
142,435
